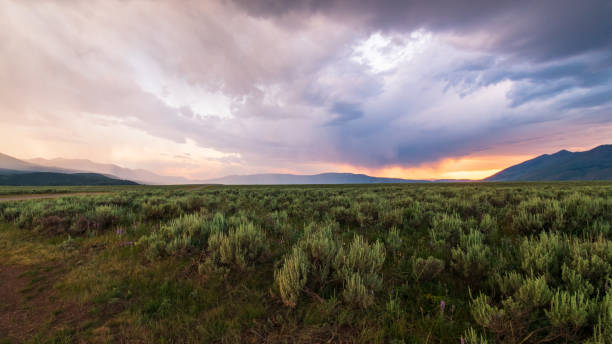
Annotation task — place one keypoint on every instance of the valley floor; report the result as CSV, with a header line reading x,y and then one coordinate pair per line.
x,y
404,263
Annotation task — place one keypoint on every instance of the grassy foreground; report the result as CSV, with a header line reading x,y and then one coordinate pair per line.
x,y
399,263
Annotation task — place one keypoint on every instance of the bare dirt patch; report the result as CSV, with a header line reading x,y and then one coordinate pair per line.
x,y
30,305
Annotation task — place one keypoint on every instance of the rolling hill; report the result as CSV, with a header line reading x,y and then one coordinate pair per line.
x,y
595,164
59,179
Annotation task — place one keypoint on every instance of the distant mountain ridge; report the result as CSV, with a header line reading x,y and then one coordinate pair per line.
x,y
138,175
595,164
17,172
323,178
59,179
8,164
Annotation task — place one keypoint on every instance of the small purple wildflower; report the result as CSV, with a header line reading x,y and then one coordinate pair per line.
x,y
442,306
462,341
120,231
430,243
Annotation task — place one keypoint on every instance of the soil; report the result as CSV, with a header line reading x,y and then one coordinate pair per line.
x,y
29,304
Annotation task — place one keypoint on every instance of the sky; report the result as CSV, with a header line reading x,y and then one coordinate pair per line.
x,y
397,88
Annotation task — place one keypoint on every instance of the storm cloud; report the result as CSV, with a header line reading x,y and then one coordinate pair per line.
x,y
257,86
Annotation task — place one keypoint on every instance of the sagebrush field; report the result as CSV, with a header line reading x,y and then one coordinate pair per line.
x,y
397,263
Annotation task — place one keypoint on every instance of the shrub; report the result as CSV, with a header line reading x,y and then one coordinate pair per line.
x,y
472,337
10,213
52,224
537,214
393,239
292,276
182,235
488,224
360,266
569,310
356,292
105,216
472,257
533,293
81,225
487,315
321,250
509,283
426,269
446,230
389,218
237,249
592,261
602,331
513,319
543,256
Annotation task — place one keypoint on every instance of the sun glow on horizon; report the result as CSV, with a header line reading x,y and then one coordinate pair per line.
x,y
469,167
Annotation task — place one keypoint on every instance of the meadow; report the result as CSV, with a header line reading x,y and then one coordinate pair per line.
x,y
384,263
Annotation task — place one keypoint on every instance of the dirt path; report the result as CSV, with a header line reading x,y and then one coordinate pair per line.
x,y
30,304
6,198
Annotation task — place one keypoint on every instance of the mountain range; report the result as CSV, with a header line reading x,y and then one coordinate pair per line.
x,y
595,164
57,179
84,165
323,178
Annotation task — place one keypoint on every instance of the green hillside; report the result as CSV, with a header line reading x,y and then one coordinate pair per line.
x,y
57,179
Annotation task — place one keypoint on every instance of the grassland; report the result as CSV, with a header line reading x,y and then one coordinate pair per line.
x,y
397,263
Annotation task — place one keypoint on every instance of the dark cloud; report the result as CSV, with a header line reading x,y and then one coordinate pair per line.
x,y
533,81
592,99
540,30
345,112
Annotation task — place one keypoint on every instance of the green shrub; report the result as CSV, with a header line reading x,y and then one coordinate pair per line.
x,y
426,269
182,235
569,310
105,216
446,230
472,257
488,224
393,239
292,276
509,283
356,292
591,260
543,256
390,218
237,249
360,266
602,331
537,214
487,315
533,293
472,337
321,250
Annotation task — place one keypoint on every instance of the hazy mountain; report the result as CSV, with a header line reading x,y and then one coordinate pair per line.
x,y
595,164
138,175
57,179
324,178
10,165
